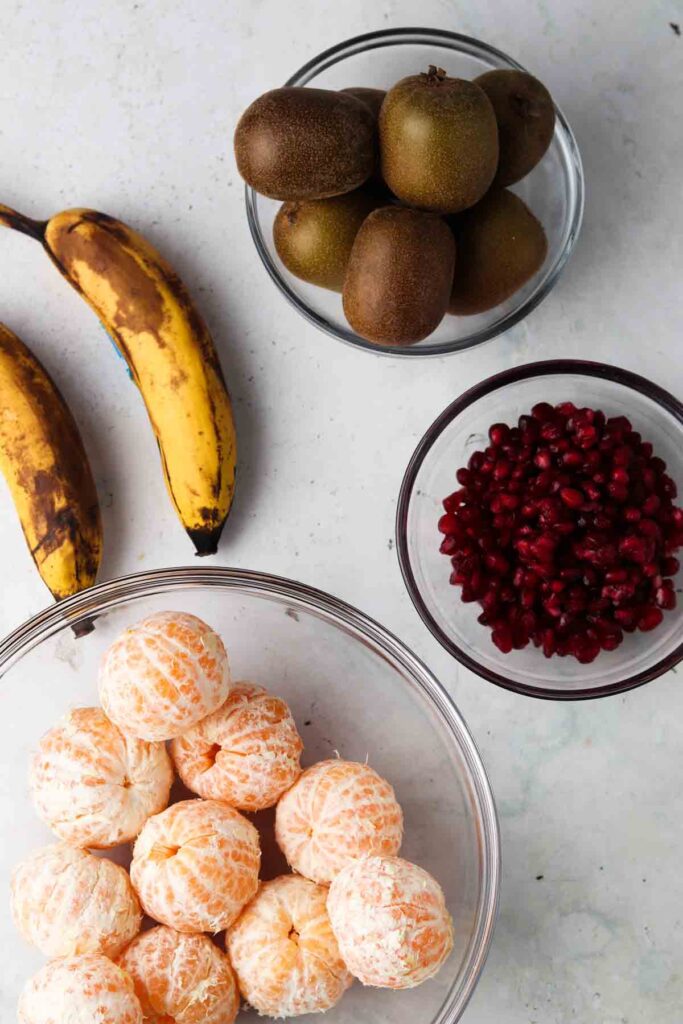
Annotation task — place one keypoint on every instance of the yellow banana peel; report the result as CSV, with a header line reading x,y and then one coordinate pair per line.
x,y
147,310
46,468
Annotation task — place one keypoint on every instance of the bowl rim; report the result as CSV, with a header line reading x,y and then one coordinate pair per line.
x,y
457,41
527,371
109,594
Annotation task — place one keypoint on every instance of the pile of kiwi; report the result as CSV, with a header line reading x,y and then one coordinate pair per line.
x,y
399,200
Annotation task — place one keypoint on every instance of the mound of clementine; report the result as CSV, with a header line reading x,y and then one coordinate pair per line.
x,y
181,979
196,865
67,902
80,990
246,753
284,952
95,786
390,919
336,812
163,675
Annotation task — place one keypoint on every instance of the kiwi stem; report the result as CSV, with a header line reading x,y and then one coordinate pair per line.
x,y
434,75
19,222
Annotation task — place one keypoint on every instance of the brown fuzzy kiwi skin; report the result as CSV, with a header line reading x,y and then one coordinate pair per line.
x,y
399,276
438,141
374,98
525,113
301,143
314,237
501,245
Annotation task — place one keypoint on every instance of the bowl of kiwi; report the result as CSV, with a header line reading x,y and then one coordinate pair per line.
x,y
411,191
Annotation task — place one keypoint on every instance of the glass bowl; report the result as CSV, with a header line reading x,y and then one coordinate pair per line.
x,y
353,689
461,429
554,190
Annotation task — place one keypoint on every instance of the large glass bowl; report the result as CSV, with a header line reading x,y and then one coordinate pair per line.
x,y
461,429
353,689
553,191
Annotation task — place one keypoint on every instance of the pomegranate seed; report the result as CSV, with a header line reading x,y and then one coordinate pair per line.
x,y
449,524
665,597
499,434
670,566
543,411
651,505
502,638
650,619
572,497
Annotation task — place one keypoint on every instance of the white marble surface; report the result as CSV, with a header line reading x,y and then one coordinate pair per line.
x,y
129,108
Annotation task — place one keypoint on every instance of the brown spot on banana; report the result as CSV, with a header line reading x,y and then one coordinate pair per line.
x,y
44,462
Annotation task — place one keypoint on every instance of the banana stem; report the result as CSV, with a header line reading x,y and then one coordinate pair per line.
x,y
18,222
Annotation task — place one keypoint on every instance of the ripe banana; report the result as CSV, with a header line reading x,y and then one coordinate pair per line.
x,y
47,471
148,312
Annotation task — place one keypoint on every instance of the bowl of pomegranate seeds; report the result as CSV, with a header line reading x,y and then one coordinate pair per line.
x,y
539,529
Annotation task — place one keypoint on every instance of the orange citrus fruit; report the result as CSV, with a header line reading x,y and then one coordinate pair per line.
x,y
196,865
284,953
334,813
246,753
67,902
80,990
93,785
163,675
391,922
181,979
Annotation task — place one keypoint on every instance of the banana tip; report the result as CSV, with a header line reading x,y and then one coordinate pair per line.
x,y
82,628
205,541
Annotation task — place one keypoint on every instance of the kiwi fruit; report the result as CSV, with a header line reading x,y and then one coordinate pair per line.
x,y
300,143
399,275
439,141
525,113
500,246
313,237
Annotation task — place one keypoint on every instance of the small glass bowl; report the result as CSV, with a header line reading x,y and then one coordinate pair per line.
x,y
554,190
462,429
353,688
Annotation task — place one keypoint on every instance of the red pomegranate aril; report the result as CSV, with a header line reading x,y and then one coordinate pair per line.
x,y
449,524
650,619
497,562
543,411
528,597
665,596
651,505
448,545
620,476
463,476
670,566
543,459
502,638
499,433
632,515
572,497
